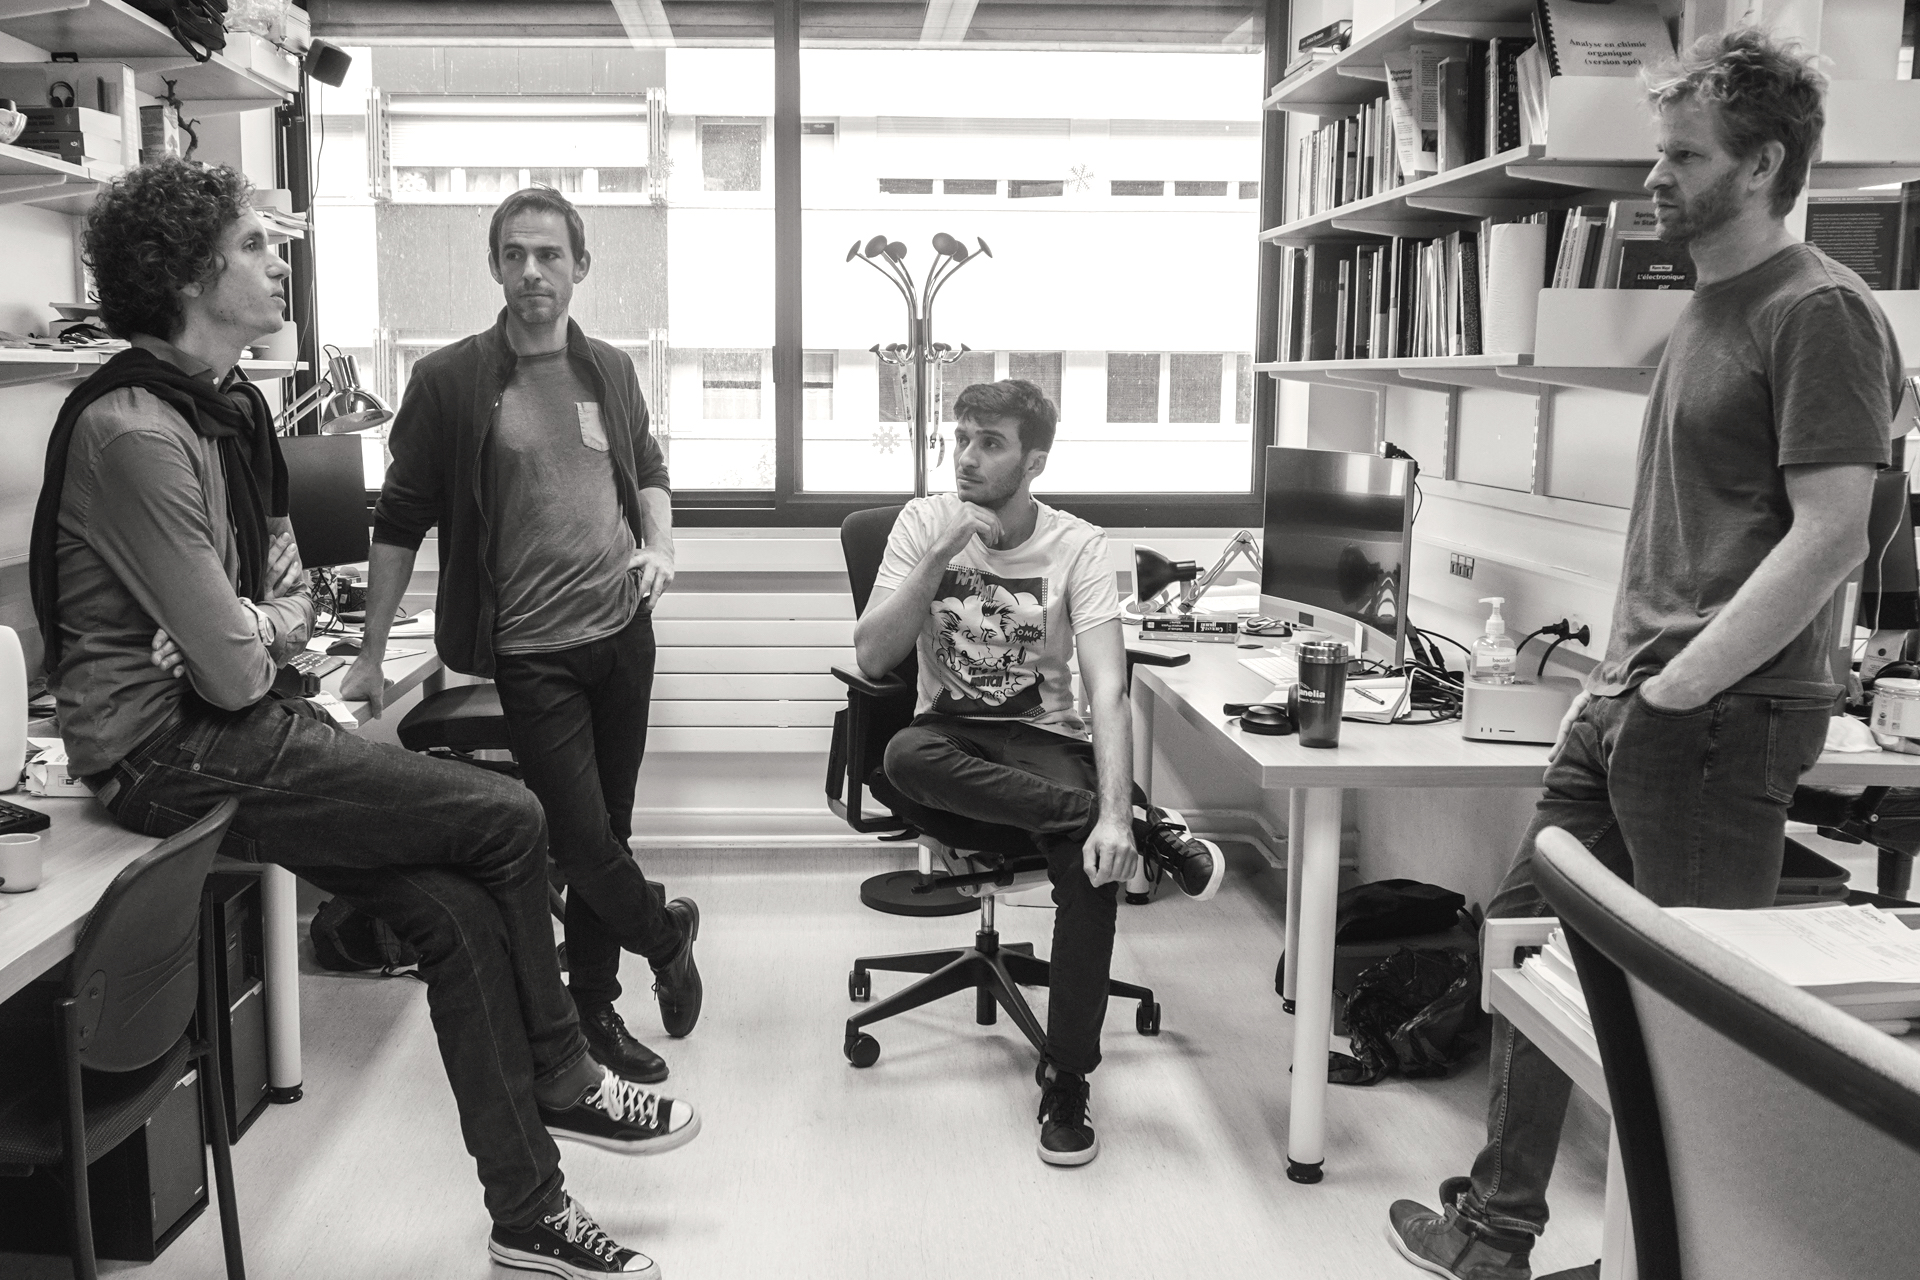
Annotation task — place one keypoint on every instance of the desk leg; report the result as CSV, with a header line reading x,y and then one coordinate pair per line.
x,y
1140,889
281,928
1317,850
1296,841
1617,1259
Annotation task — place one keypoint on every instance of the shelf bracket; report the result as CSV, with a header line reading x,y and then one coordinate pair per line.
x,y
1599,175
1491,379
1362,73
1633,381
23,188
1413,228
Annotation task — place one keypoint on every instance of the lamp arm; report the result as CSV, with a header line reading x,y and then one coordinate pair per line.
x,y
1242,544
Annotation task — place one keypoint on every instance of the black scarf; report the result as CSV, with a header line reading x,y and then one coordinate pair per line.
x,y
236,416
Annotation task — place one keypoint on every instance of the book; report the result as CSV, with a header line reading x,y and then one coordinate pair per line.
x,y
1582,38
1862,231
1626,220
1590,253
1654,264
1503,92
1861,959
1335,36
1292,316
1551,972
1453,115
1470,294
1530,79
1322,296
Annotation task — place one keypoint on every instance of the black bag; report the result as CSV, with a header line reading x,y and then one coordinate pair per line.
x,y
348,940
1394,909
199,25
1413,1013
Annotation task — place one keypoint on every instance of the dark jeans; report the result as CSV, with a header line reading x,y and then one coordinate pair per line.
x,y
578,722
1014,774
1691,807
452,857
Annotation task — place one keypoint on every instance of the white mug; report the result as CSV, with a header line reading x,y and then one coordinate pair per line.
x,y
19,862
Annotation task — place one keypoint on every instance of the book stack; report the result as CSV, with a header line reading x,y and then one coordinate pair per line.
x,y
1618,246
77,135
1404,298
1859,959
1552,974
1346,160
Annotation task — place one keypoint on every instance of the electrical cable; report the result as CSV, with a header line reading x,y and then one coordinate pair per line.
x,y
1548,654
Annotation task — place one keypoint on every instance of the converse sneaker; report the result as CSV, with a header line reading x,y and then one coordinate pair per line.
x,y
1194,865
1066,1133
614,1047
1448,1245
618,1115
568,1243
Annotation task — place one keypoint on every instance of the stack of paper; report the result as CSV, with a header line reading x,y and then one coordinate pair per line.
x,y
1553,975
1861,959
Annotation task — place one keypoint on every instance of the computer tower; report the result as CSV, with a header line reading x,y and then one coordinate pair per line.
x,y
237,917
142,1194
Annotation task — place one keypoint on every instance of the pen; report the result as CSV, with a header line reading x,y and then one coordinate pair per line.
x,y
1369,697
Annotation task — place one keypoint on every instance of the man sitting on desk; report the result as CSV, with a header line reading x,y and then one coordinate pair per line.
x,y
527,446
998,591
1767,418
168,589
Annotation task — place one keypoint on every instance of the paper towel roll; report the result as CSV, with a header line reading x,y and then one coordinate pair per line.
x,y
1515,266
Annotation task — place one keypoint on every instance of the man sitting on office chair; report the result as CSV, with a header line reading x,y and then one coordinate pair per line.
x,y
998,591
1768,416
527,445
168,588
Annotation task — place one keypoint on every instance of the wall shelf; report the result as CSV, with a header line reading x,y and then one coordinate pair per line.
x,y
248,75
1340,85
1421,373
22,365
33,177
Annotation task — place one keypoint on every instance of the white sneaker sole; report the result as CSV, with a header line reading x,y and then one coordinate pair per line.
x,y
651,1147
1071,1159
515,1260
1400,1247
1219,863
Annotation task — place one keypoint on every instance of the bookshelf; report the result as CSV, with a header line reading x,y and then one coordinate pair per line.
x,y
33,177
1340,85
249,74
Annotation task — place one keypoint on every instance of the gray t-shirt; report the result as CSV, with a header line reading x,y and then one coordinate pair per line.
x,y
1790,363
559,545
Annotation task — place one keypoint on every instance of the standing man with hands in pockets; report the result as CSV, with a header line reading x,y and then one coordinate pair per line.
x,y
528,447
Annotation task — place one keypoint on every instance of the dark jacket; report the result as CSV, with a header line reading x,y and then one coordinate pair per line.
x,y
437,477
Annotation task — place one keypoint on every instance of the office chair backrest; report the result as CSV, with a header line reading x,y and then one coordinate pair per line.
x,y
863,540
134,968
1763,1132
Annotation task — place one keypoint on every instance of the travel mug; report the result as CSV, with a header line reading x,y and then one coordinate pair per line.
x,y
19,862
1322,692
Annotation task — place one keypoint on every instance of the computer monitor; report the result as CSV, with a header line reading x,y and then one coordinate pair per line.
x,y
327,499
1338,540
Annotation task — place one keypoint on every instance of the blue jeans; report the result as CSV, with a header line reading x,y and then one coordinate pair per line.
x,y
452,857
577,719
1691,807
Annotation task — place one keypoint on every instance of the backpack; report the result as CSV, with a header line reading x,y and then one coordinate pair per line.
x,y
199,25
348,940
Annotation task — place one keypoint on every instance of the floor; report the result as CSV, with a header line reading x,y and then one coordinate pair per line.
x,y
921,1167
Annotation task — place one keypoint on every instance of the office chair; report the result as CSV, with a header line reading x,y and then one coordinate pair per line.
x,y
1864,819
980,860
1762,1131
143,966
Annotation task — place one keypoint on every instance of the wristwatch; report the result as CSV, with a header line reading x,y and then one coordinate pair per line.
x,y
262,625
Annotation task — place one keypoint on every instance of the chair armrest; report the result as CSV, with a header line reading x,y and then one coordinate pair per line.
x,y
1155,658
886,687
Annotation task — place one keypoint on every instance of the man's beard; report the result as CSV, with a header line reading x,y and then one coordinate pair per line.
x,y
1704,214
994,495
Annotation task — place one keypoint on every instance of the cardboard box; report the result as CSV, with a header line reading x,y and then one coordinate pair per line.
x,y
159,132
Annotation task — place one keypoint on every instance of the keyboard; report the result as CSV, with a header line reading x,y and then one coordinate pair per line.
x,y
1272,666
16,819
317,665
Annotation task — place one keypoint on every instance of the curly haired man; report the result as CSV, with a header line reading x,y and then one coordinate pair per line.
x,y
168,589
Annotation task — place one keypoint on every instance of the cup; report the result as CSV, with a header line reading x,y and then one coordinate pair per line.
x,y
19,862
1322,692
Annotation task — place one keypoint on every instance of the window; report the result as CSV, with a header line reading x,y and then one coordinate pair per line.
x,y
894,394
1193,387
730,385
816,380
1028,188
1199,188
1243,387
567,180
1042,369
1133,387
1249,191
972,186
1129,187
975,366
620,181
730,156
906,186
413,180
493,181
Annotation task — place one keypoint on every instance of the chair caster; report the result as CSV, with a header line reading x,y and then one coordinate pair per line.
x,y
1139,899
859,986
862,1050
1146,1018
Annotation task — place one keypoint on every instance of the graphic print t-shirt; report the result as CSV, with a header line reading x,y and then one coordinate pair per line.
x,y
1000,632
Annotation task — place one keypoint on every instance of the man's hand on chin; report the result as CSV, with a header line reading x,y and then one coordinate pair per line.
x,y
1110,854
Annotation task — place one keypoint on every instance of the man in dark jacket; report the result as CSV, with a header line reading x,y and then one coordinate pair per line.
x,y
527,445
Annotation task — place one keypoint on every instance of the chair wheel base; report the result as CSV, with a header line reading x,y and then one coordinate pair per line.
x,y
859,986
862,1050
292,1093
1307,1173
893,894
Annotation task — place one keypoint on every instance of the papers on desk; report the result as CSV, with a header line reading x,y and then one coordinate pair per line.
x,y
420,624
1860,959
1552,974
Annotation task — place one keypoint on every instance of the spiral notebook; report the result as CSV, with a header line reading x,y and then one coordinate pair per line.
x,y
1583,38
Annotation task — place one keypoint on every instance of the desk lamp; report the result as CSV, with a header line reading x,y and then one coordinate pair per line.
x,y
1155,576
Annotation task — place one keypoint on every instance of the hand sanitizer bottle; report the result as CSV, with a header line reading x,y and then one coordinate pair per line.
x,y
1494,657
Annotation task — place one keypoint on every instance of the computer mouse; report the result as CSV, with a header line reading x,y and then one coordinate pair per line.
x,y
345,648
1269,718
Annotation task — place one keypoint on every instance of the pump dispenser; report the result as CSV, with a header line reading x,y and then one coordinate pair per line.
x,y
1494,655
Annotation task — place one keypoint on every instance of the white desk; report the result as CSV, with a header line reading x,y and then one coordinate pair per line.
x,y
85,849
1369,755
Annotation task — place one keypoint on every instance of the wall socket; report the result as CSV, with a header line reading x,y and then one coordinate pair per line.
x,y
1460,566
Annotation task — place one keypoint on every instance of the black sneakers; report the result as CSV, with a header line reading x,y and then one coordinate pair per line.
x,y
622,1116
677,985
614,1047
568,1243
1193,864
1066,1134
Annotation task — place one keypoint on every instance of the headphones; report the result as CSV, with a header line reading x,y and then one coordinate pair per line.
x,y
1270,719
